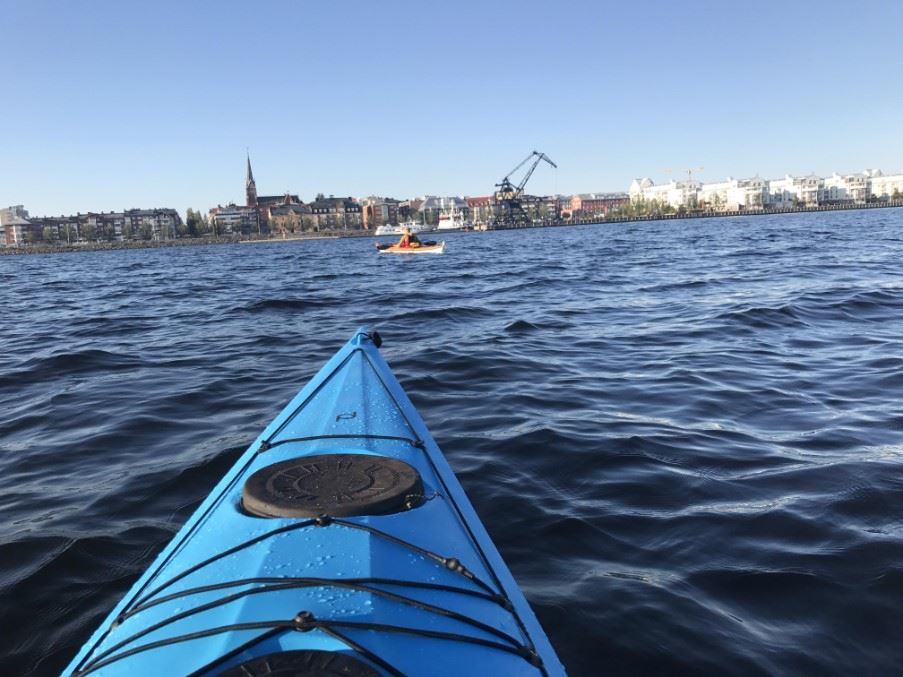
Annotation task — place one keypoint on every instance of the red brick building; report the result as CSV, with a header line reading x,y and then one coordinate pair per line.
x,y
480,209
596,204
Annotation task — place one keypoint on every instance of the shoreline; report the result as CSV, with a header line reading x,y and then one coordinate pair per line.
x,y
739,212
161,244
336,235
267,240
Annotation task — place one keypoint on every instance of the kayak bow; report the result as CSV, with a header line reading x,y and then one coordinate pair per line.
x,y
339,543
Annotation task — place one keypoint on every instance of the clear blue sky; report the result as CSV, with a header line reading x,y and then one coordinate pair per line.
x,y
111,104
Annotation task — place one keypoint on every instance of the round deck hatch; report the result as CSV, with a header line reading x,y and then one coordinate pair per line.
x,y
340,485
308,663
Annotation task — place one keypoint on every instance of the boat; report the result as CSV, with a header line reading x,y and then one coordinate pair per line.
x,y
429,247
415,228
388,229
453,220
339,543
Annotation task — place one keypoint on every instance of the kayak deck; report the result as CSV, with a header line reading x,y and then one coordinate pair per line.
x,y
416,589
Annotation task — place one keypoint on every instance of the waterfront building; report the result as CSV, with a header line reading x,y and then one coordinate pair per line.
x,y
409,210
749,193
90,227
267,202
234,219
335,213
841,189
885,187
556,207
729,195
480,209
757,193
266,205
715,195
158,224
594,205
533,207
63,229
291,217
733,194
131,224
14,226
674,194
794,191
432,206
110,226
379,211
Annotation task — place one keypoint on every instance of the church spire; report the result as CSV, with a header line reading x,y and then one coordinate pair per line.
x,y
250,186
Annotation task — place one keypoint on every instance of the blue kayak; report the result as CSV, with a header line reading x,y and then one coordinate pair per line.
x,y
340,543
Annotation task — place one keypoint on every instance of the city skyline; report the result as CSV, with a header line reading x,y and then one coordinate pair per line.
x,y
895,180
121,106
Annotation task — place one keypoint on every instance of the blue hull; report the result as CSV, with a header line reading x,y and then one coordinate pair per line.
x,y
396,575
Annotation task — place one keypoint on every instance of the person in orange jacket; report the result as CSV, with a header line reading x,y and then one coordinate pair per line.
x,y
408,239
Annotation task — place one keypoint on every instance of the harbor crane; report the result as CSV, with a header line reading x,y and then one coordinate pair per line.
x,y
509,212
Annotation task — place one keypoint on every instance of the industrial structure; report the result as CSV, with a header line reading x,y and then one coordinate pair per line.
x,y
509,208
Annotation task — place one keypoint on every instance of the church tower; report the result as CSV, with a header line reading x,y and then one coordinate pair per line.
x,y
250,186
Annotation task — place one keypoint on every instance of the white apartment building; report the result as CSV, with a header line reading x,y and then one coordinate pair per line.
x,y
716,194
884,186
791,190
673,193
749,193
730,194
845,188
734,194
754,193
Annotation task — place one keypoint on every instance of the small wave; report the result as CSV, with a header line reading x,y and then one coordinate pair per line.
x,y
764,317
768,593
102,325
70,363
543,285
864,304
456,313
519,326
681,286
423,384
68,590
288,304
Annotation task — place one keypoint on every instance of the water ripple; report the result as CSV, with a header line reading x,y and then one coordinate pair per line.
x,y
685,437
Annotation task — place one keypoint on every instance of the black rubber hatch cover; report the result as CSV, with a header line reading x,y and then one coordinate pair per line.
x,y
340,485
309,663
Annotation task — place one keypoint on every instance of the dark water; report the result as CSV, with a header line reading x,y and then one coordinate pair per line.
x,y
685,437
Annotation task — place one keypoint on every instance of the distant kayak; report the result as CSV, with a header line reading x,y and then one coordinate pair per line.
x,y
340,543
424,248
